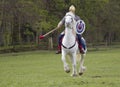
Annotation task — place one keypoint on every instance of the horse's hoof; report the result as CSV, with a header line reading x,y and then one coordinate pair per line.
x,y
80,73
82,70
67,71
74,75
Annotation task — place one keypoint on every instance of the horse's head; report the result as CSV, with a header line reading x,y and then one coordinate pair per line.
x,y
69,21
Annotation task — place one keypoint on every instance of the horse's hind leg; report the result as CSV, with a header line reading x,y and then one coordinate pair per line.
x,y
82,68
66,67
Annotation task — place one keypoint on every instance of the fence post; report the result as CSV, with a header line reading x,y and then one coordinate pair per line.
x,y
50,43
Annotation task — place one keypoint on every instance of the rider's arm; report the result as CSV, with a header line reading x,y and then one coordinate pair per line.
x,y
61,23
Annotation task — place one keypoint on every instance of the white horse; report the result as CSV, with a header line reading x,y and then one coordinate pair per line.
x,y
70,45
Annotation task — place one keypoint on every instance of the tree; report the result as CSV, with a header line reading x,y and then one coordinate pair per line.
x,y
101,18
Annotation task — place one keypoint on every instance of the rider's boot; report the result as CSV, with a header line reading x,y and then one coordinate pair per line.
x,y
59,49
81,49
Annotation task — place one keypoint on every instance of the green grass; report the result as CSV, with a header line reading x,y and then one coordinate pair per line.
x,y
45,69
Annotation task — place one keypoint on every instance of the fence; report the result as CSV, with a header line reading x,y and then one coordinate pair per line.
x,y
49,44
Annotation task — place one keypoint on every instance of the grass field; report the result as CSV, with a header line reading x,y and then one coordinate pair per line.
x,y
45,69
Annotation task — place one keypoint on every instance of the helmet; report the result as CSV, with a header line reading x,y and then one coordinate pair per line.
x,y
72,8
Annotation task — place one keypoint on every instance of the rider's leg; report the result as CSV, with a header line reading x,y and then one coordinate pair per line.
x,y
59,43
82,44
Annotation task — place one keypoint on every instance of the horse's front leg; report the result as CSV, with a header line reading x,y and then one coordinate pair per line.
x,y
82,68
66,67
73,59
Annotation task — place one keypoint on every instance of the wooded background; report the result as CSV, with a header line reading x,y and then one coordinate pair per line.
x,y
22,21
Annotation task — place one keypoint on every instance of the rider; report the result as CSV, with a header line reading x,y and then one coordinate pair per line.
x,y
80,39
